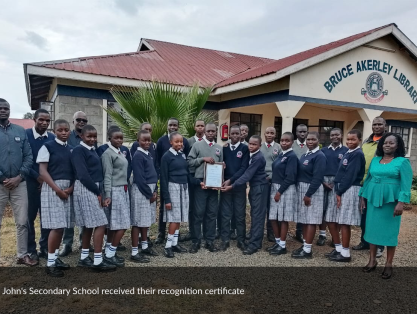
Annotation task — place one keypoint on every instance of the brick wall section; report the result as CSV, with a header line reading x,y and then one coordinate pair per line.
x,y
66,106
413,155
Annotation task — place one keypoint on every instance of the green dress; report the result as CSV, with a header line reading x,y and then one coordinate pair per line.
x,y
384,187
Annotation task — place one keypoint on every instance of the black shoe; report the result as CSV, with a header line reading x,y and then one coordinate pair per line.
x,y
148,251
271,237
361,246
340,258
217,235
211,247
224,245
321,241
387,273
113,261
61,265
139,258
54,271
43,253
168,252
301,254
299,237
185,238
66,250
194,248
278,251
241,245
299,249
34,256
120,258
368,269
248,235
249,251
332,253
160,239
233,235
104,267
121,247
86,262
271,248
178,249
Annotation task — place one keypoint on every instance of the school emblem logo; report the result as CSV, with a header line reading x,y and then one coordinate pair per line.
x,y
17,139
345,162
239,154
275,151
374,88
217,152
340,156
124,153
283,159
305,163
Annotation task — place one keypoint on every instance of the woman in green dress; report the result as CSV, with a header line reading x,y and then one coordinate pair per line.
x,y
386,188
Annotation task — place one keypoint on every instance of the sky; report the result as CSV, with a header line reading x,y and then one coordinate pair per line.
x,y
33,31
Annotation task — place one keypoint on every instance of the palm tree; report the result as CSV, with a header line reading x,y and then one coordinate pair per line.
x,y
156,103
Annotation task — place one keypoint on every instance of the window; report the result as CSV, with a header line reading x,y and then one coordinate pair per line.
x,y
296,122
405,133
253,121
278,128
325,126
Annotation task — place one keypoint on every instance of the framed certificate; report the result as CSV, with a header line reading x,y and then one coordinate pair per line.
x,y
213,175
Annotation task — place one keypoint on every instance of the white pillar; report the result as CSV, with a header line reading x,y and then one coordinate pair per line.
x,y
104,121
288,110
224,118
368,115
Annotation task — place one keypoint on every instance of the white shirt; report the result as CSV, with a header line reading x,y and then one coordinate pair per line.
x,y
36,135
352,150
86,146
173,151
299,143
235,145
116,150
143,151
313,151
334,148
286,151
197,139
244,142
43,154
208,142
251,154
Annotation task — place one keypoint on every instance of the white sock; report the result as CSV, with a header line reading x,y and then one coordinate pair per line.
x,y
170,239
338,247
98,258
84,253
108,244
175,240
345,252
322,233
56,253
147,233
111,251
282,243
144,245
304,241
307,248
51,259
135,251
277,240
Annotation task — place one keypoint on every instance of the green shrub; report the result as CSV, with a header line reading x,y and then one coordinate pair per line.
x,y
414,186
413,198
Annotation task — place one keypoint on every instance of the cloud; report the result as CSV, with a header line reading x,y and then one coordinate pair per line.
x,y
37,40
128,6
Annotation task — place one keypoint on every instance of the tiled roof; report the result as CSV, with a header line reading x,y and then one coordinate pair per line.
x,y
24,123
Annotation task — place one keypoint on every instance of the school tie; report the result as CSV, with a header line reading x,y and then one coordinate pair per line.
x,y
211,144
233,147
119,152
269,145
200,139
301,145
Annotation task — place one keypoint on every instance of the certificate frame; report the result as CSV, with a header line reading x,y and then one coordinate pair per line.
x,y
210,167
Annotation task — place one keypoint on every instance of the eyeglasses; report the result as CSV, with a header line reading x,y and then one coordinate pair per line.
x,y
81,120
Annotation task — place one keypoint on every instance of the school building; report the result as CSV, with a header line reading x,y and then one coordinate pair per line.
x,y
345,84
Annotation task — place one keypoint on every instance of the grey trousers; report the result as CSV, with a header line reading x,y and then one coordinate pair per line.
x,y
19,200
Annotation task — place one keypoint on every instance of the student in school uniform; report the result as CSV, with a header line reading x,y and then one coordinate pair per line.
x,y
347,185
143,202
256,176
162,146
174,189
89,213
244,131
116,194
300,148
334,154
270,149
199,128
233,203
146,126
283,198
206,199
55,169
37,136
310,190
